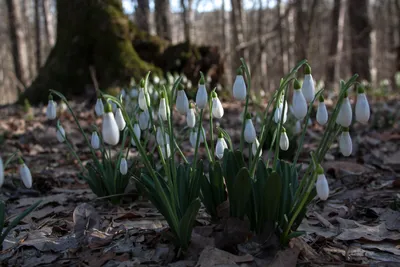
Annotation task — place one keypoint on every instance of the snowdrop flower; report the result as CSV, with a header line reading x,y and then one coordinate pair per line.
x,y
142,97
119,118
113,105
109,129
322,184
220,146
345,143
278,113
217,109
308,87
63,107
193,138
137,132
123,166
191,116
51,111
297,127
162,140
156,79
345,113
166,148
134,93
144,120
322,112
239,86
299,102
284,140
25,174
254,148
162,109
362,107
95,140
99,107
182,101
249,130
201,96
123,93
60,133
1,172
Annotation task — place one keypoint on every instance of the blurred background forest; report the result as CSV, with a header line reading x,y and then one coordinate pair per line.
x,y
60,44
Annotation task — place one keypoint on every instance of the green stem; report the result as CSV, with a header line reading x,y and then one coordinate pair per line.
x,y
198,137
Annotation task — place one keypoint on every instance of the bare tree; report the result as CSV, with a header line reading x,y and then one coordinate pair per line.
x,y
238,35
19,50
48,23
188,17
162,15
360,42
142,15
38,39
330,66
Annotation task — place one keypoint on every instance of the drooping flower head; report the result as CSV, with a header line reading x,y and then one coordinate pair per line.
x,y
182,101
249,130
123,166
322,112
217,109
284,140
25,174
144,96
308,87
60,132
162,109
239,86
321,185
299,102
220,146
345,143
51,112
201,96
119,119
109,129
345,113
99,107
191,116
362,106
95,140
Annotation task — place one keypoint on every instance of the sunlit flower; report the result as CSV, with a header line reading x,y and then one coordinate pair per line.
x,y
299,102
321,185
182,102
166,148
162,109
123,166
110,129
308,87
95,140
99,107
249,130
220,146
362,106
142,97
345,143
191,117
60,133
322,112
137,132
162,139
345,113
284,140
201,96
193,138
217,109
278,113
119,119
51,112
297,127
254,148
239,86
144,120
25,174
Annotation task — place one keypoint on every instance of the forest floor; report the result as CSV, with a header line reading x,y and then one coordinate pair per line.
x,y
359,225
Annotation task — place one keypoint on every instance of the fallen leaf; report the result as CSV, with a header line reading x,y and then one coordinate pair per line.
x,y
211,256
352,230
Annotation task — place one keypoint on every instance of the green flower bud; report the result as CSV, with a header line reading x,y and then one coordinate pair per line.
x,y
319,169
296,85
321,98
107,108
307,69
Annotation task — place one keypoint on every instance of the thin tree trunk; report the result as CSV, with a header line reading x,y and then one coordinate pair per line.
x,y
281,56
142,15
237,27
162,15
18,42
38,39
48,23
300,34
360,41
396,67
330,66
340,43
187,17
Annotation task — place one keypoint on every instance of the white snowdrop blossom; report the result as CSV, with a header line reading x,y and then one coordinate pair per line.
x,y
297,127
119,118
362,107
142,99
308,87
109,129
113,105
322,112
220,147
123,93
345,113
162,140
191,117
95,140
249,131
299,102
166,148
25,174
345,143
322,185
144,120
1,172
217,109
51,112
193,138
99,107
284,140
63,107
239,87
123,166
137,132
60,133
278,113
182,102
162,109
201,96
254,148
134,93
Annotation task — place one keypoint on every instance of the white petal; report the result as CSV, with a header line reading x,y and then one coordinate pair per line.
x,y
220,147
201,97
278,113
297,127
142,99
144,120
345,144
1,173
166,147
182,102
110,129
26,175
299,105
217,109
249,132
123,167
284,141
137,133
239,88
95,141
322,113
322,187
254,148
191,118
60,134
134,93
51,112
119,118
99,107
362,108
308,88
345,113
162,140
162,109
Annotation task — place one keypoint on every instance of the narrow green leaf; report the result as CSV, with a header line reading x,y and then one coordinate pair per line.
x,y
187,222
240,193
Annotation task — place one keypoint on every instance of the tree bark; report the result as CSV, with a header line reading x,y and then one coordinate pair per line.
x,y
330,66
90,34
162,15
38,39
238,37
360,42
187,17
48,23
18,42
142,15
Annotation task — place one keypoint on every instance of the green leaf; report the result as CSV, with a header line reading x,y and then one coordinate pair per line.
x,y
187,222
240,193
273,195
2,215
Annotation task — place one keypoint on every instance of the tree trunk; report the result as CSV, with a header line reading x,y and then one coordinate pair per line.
x,y
18,42
38,39
142,15
330,66
360,42
162,15
90,34
300,34
237,26
187,17
48,23
281,57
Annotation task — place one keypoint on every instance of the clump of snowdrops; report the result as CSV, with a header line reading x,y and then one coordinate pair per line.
x,y
26,177
270,195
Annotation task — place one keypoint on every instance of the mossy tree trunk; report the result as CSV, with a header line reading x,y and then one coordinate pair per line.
x,y
90,33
